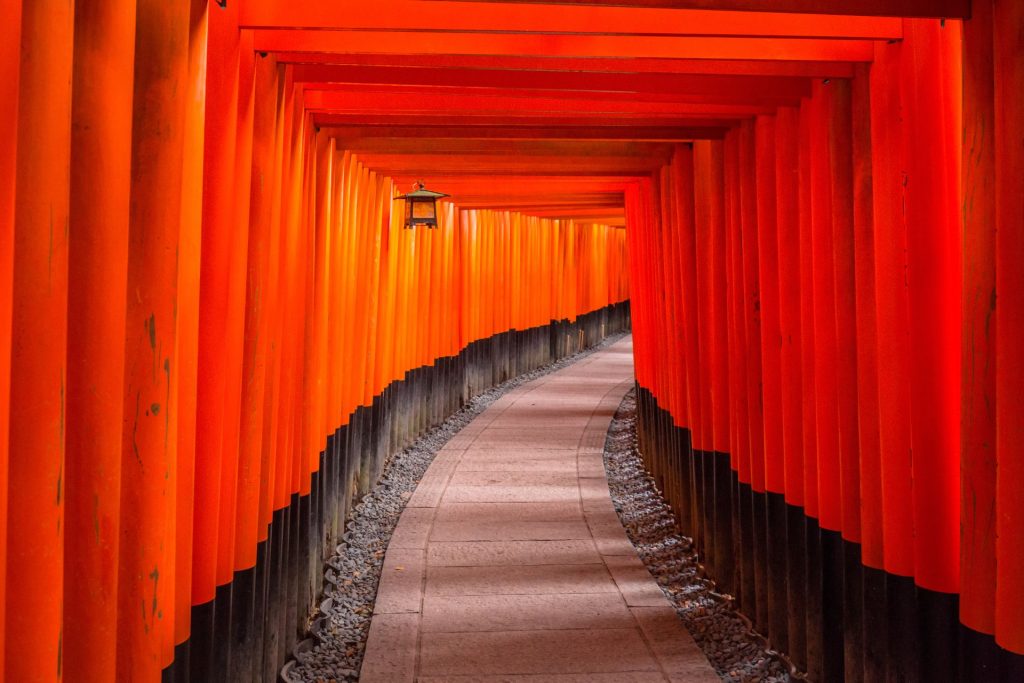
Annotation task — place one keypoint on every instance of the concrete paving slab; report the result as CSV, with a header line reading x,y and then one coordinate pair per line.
x,y
413,528
506,478
556,611
636,584
484,553
512,494
509,531
562,511
391,649
502,462
526,580
401,582
535,652
674,647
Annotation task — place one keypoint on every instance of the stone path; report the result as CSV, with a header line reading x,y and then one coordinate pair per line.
x,y
509,562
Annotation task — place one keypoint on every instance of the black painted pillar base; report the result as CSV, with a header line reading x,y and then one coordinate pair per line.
x,y
747,592
724,557
901,603
201,652
832,561
853,613
759,514
796,577
815,619
875,625
778,579
939,635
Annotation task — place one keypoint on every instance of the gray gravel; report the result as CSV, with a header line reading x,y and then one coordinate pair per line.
x,y
738,655
334,651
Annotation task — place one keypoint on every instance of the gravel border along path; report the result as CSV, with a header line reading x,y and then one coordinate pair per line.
x,y
334,652
738,654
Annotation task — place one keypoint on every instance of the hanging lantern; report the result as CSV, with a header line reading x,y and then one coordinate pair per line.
x,y
421,206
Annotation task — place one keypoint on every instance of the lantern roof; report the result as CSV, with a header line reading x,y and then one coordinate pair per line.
x,y
422,192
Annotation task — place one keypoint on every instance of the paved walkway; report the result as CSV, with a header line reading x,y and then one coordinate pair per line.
x,y
510,563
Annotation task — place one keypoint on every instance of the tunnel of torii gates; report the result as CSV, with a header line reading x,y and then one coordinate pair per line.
x,y
214,327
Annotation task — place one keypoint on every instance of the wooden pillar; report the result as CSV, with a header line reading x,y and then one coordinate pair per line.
x,y
891,295
187,338
36,491
787,179
768,288
148,449
1009,119
824,319
10,67
871,505
978,369
934,287
98,267
213,360
840,141
751,302
807,342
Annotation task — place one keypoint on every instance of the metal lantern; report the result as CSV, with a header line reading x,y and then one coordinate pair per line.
x,y
421,206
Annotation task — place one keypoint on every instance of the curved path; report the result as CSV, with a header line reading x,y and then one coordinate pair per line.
x,y
509,562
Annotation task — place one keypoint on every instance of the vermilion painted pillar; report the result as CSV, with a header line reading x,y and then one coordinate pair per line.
x,y
787,179
148,448
98,269
891,296
238,192
841,166
183,398
1009,119
323,215
36,483
824,318
215,278
768,289
259,292
381,217
719,336
739,435
10,67
871,507
684,282
978,341
705,281
751,302
931,104
807,342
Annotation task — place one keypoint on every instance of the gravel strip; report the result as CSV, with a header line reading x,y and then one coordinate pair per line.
x,y
738,655
335,652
